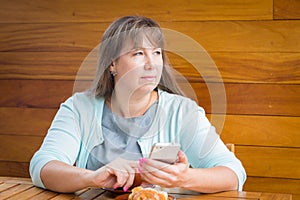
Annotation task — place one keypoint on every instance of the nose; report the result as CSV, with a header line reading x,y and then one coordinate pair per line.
x,y
149,61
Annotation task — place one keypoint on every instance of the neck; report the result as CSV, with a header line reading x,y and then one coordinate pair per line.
x,y
134,105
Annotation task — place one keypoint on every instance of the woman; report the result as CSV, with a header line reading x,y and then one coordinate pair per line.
x,y
102,137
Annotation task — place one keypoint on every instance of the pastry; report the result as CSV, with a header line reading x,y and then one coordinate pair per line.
x,y
140,193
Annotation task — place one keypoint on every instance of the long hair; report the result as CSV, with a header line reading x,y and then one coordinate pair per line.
x,y
128,32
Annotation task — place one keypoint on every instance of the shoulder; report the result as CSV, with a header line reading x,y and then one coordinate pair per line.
x,y
82,101
169,100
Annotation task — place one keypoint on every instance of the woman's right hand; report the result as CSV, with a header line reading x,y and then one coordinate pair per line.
x,y
118,173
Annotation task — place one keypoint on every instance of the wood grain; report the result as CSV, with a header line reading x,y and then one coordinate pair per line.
x,y
231,67
279,185
273,162
238,67
31,121
35,93
95,11
4,186
94,193
258,161
44,65
19,148
254,99
286,9
51,37
46,194
262,130
14,169
254,44
213,36
238,36
28,194
240,98
238,129
14,190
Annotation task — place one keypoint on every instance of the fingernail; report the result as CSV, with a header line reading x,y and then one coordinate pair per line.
x,y
115,187
142,160
125,189
140,170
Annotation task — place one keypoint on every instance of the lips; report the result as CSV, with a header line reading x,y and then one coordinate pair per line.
x,y
149,78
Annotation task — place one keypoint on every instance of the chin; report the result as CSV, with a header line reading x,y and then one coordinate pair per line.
x,y
147,88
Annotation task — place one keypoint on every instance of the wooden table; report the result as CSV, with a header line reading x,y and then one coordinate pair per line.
x,y
22,188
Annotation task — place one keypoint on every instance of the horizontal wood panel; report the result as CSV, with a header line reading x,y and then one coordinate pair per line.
x,y
258,161
262,130
214,36
278,185
18,148
238,129
239,36
273,162
231,67
16,189
14,169
48,65
94,11
45,194
238,67
255,99
241,98
286,9
25,121
51,37
256,184
35,93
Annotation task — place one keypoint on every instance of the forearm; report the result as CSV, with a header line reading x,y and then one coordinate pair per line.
x,y
210,180
61,177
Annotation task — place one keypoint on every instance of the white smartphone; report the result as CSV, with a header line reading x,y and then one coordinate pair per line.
x,y
165,152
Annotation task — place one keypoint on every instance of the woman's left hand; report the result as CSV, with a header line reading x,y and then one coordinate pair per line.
x,y
163,174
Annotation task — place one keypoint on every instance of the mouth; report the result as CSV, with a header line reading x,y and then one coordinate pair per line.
x,y
149,78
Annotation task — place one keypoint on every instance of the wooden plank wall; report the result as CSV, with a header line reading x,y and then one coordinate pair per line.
x,y
254,43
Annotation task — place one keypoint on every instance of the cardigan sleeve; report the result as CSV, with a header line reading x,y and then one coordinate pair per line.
x,y
203,145
62,141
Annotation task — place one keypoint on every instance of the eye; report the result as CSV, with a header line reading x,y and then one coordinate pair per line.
x,y
138,53
157,52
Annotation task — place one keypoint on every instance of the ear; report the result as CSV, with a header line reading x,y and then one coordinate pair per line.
x,y
112,67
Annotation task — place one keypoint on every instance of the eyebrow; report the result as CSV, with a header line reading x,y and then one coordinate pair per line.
x,y
141,48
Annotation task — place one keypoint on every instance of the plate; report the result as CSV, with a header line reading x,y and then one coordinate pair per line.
x,y
117,190
125,197
121,191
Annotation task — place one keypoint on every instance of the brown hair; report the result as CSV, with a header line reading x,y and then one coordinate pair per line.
x,y
124,31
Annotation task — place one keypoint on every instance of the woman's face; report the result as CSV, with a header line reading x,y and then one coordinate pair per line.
x,y
139,70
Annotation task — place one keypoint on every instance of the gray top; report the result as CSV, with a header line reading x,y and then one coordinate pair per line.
x,y
120,137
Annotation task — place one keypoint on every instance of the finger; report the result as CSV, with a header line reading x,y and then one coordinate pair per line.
x,y
167,176
151,171
134,164
155,164
156,178
130,179
110,182
182,157
109,171
121,176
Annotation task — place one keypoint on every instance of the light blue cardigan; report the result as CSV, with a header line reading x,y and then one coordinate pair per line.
x,y
76,129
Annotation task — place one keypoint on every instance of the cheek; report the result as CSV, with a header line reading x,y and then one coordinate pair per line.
x,y
159,69
129,76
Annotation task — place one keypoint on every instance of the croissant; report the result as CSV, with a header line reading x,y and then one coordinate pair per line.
x,y
140,193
